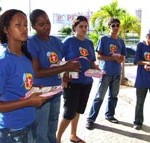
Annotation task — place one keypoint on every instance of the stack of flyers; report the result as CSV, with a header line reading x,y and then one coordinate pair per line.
x,y
46,91
94,73
116,54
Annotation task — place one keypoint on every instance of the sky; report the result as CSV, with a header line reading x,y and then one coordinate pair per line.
x,y
69,6
66,6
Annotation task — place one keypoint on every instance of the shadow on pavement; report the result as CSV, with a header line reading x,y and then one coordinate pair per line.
x,y
126,124
125,133
145,128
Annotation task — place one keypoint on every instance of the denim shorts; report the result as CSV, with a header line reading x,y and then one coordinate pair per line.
x,y
24,135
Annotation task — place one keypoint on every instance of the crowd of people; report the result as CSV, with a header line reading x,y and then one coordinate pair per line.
x,y
36,61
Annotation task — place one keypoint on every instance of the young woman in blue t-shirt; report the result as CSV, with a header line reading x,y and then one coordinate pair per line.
x,y
142,83
46,51
17,114
77,90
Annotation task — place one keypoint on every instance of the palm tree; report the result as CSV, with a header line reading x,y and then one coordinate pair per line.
x,y
66,30
128,25
100,19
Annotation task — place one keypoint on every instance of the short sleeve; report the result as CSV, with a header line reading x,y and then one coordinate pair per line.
x,y
100,44
3,76
65,46
32,48
123,51
92,51
138,53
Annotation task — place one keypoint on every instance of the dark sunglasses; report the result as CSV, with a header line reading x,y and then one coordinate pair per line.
x,y
115,25
148,36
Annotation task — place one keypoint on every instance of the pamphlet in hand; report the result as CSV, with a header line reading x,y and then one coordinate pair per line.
x,y
74,75
94,73
46,91
116,54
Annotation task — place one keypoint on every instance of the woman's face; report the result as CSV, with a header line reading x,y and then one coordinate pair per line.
x,y
81,29
17,29
42,26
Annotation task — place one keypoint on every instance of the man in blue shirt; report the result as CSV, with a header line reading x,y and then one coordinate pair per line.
x,y
111,53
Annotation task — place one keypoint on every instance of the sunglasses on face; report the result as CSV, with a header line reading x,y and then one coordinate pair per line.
x,y
115,25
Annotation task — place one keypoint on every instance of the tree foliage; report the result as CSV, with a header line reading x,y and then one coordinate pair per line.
x,y
99,21
66,30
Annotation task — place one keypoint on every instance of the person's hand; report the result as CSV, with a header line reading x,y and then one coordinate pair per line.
x,y
148,63
147,67
119,59
73,66
96,67
36,100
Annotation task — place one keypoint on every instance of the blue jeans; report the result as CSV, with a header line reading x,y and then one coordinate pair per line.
x,y
24,135
140,99
47,120
113,83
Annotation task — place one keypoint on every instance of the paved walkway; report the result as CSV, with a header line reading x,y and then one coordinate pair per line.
x,y
106,132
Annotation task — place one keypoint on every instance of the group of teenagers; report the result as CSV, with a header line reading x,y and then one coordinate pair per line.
x,y
28,61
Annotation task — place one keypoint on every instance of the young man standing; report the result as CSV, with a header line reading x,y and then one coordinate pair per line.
x,y
111,53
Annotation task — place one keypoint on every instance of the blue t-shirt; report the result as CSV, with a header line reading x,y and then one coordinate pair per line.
x,y
16,78
107,46
143,76
48,53
82,51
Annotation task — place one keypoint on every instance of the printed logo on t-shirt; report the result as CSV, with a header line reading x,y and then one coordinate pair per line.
x,y
53,57
28,80
113,48
83,52
147,56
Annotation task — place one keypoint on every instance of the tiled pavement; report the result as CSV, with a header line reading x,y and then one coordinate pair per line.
x,y
106,132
